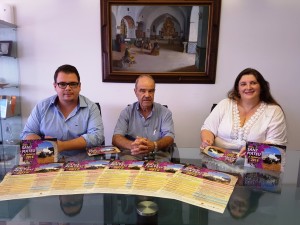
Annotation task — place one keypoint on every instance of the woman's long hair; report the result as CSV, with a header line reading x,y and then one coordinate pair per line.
x,y
265,94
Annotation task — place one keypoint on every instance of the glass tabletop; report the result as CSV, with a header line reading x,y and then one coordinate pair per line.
x,y
270,203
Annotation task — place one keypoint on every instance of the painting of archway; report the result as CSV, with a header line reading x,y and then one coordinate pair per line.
x,y
164,40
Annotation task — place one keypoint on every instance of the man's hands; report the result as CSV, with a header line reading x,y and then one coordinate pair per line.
x,y
142,146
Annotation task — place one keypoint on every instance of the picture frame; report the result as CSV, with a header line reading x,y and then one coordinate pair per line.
x,y
173,40
5,48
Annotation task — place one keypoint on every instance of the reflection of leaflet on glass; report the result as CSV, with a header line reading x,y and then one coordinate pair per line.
x,y
263,181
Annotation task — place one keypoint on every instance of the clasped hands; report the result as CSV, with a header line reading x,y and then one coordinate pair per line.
x,y
141,145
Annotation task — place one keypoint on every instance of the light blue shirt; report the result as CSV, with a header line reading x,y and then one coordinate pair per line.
x,y
158,124
46,119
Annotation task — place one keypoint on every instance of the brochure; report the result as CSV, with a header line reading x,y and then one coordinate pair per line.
x,y
39,151
208,174
187,183
85,165
119,177
100,150
39,168
221,154
265,156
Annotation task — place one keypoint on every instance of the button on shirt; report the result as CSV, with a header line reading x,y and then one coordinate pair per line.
x,y
85,120
158,124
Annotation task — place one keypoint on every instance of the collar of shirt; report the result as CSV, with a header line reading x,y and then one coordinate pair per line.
x,y
138,109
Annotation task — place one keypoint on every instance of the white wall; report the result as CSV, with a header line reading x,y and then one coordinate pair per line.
x,y
254,33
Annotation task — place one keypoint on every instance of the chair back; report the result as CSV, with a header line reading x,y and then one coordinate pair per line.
x,y
99,107
213,106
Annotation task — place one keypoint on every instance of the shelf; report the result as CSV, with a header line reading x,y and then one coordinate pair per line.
x,y
4,24
10,118
8,86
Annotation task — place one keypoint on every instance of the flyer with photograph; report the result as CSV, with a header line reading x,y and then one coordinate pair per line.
x,y
265,156
101,150
221,154
39,151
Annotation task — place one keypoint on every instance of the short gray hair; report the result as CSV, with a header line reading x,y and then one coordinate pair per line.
x,y
141,76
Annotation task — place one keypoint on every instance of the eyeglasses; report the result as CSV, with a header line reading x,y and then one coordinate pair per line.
x,y
63,85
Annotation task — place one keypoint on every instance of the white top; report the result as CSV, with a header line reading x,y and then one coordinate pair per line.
x,y
267,124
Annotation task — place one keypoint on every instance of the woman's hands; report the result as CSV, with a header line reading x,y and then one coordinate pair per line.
x,y
207,138
242,152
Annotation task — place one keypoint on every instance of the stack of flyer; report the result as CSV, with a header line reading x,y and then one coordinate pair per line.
x,y
265,156
101,150
39,151
221,154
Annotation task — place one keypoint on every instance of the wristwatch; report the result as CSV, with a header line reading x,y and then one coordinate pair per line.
x,y
155,147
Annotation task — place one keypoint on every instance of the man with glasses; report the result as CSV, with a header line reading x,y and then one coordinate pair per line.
x,y
144,128
68,116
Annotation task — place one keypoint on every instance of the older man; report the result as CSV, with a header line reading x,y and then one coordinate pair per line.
x,y
144,127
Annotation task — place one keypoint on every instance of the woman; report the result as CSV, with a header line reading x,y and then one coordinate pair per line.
x,y
250,113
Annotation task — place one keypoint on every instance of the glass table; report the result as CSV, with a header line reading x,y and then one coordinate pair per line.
x,y
264,205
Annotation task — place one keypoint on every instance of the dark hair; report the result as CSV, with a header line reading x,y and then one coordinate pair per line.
x,y
66,69
265,94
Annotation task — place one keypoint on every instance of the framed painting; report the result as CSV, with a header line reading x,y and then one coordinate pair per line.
x,y
173,40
